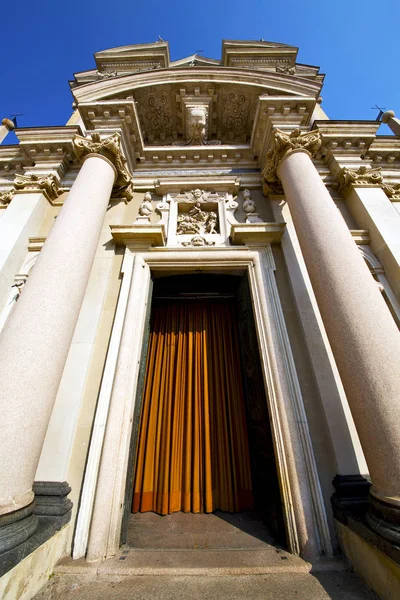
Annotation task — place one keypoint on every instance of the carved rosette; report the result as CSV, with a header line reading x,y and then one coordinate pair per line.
x,y
363,177
110,148
6,197
283,144
47,184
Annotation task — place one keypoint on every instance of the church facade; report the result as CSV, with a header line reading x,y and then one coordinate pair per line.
x,y
193,192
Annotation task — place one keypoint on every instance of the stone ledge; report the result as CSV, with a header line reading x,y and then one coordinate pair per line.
x,y
150,235
256,233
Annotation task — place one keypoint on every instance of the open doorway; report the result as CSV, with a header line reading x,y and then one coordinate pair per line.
x,y
203,453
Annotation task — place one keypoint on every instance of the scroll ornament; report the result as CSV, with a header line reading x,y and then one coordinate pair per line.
x,y
48,184
361,177
284,143
392,191
110,148
6,197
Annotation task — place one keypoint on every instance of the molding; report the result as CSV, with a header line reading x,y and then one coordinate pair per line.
x,y
297,406
175,184
138,234
100,420
361,236
256,233
306,524
248,77
35,244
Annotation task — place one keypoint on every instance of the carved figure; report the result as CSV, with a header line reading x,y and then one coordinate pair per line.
x,y
211,223
146,208
249,206
197,214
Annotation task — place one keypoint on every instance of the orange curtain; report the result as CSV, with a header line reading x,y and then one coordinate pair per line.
x,y
192,450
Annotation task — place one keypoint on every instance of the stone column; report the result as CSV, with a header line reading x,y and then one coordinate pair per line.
x,y
389,118
364,338
6,126
35,343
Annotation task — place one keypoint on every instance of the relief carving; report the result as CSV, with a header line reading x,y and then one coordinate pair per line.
x,y
392,191
235,112
155,113
283,143
197,221
197,127
361,177
6,197
286,69
198,240
44,183
110,148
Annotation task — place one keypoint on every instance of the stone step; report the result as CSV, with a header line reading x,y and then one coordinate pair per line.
x,y
132,562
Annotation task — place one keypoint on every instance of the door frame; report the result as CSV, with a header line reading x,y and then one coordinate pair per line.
x,y
303,507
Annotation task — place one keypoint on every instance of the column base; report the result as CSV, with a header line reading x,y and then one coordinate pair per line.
x,y
17,526
351,496
52,502
22,531
384,519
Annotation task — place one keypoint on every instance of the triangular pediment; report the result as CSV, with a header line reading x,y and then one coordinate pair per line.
x,y
132,58
195,61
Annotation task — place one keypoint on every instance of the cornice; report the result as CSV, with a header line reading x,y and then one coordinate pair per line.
x,y
176,184
346,138
285,112
277,82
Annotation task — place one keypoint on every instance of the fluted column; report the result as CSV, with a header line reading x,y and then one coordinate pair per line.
x,y
35,343
364,338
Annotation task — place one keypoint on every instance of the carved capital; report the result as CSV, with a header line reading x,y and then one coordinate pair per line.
x,y
392,191
47,184
110,148
6,197
364,177
284,143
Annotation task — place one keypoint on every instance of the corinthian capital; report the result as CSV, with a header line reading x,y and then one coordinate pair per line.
x,y
284,143
47,184
110,148
362,177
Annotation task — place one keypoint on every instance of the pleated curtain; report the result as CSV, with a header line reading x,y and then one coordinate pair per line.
x,y
192,452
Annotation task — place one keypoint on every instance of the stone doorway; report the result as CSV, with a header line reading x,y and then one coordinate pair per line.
x,y
249,528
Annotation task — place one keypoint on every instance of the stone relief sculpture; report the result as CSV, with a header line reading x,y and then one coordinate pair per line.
x,y
198,240
197,127
197,220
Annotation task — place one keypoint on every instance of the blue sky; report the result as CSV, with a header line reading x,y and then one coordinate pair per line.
x,y
356,43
